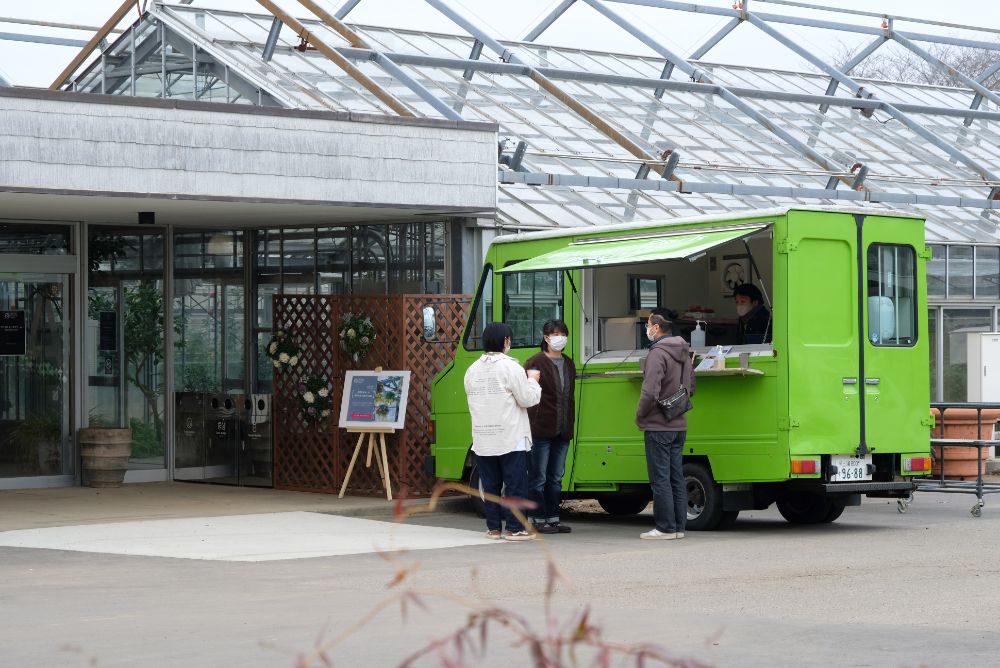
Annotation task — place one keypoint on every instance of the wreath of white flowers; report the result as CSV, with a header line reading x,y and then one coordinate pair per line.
x,y
314,399
357,335
282,350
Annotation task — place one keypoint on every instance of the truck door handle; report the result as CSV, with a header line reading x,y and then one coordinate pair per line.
x,y
850,381
872,381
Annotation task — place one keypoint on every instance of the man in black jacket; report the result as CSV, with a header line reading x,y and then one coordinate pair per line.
x,y
665,369
755,320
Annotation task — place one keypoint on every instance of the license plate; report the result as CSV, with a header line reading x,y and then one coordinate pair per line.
x,y
851,469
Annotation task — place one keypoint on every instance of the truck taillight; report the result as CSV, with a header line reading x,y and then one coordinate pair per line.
x,y
916,463
804,466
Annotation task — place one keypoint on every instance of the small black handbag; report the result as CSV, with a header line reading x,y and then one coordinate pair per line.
x,y
676,405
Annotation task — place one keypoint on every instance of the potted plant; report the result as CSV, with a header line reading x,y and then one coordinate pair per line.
x,y
105,452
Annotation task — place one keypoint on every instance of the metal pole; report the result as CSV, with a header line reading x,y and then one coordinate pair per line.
x,y
982,90
715,39
560,74
92,43
163,59
544,24
814,23
170,448
851,64
700,75
347,8
40,39
859,90
384,61
978,99
548,85
340,61
272,39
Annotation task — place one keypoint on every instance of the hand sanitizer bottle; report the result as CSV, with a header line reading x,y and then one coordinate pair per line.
x,y
698,335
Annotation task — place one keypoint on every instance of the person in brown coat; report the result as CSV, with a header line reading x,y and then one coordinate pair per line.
x,y
551,426
666,367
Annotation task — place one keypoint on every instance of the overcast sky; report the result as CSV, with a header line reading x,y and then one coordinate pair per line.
x,y
37,65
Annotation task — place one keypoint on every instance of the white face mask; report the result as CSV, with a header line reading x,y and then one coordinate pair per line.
x,y
743,309
506,348
649,333
557,342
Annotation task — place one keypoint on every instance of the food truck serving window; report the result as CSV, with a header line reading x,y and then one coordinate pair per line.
x,y
636,248
892,295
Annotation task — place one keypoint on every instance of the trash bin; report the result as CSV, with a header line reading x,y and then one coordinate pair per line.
x,y
189,429
221,428
255,425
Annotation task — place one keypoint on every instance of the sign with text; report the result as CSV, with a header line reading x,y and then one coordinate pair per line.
x,y
12,333
374,399
107,331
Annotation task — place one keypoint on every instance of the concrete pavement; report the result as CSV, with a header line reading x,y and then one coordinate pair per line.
x,y
66,506
874,589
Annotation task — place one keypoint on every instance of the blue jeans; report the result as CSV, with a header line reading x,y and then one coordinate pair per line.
x,y
545,473
510,471
664,463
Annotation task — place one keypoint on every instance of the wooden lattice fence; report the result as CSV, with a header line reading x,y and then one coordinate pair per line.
x,y
312,459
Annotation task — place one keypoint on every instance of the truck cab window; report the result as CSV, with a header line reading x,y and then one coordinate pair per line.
x,y
529,299
482,312
892,295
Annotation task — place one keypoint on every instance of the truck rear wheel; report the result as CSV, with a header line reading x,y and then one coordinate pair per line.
x,y
809,508
704,495
623,504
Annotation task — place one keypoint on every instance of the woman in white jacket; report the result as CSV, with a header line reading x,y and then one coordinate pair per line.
x,y
499,393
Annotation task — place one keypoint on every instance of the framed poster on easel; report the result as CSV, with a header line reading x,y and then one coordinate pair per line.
x,y
374,404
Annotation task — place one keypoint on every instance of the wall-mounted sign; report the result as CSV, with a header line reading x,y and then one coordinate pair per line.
x,y
374,399
12,333
108,331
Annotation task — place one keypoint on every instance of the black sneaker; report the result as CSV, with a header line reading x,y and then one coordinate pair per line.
x,y
546,528
559,527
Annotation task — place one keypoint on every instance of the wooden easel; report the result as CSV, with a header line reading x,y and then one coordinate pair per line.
x,y
381,460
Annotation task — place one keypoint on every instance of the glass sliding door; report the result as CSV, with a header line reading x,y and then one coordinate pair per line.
x,y
35,375
124,358
209,310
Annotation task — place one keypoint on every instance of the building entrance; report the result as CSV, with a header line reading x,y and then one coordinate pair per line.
x,y
36,338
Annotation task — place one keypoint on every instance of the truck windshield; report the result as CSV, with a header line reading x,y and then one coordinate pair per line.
x,y
482,312
529,299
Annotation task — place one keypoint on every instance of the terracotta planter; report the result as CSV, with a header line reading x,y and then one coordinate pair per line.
x,y
961,423
105,454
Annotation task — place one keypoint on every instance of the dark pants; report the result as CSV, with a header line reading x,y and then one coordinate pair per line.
x,y
548,464
509,471
666,478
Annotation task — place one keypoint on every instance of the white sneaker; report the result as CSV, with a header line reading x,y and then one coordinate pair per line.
x,y
656,534
680,534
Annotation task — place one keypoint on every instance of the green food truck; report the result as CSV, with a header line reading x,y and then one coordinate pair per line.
x,y
834,406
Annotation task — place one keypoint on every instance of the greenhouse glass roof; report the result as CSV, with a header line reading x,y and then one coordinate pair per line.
x,y
591,137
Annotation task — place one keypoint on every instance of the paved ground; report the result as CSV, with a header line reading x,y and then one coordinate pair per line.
x,y
875,589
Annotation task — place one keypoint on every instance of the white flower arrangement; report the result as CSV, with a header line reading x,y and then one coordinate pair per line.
x,y
314,399
357,335
282,350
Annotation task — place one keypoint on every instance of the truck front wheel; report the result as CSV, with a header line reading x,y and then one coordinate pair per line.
x,y
704,496
809,508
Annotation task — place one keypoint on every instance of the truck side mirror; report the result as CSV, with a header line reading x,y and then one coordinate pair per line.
x,y
430,323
